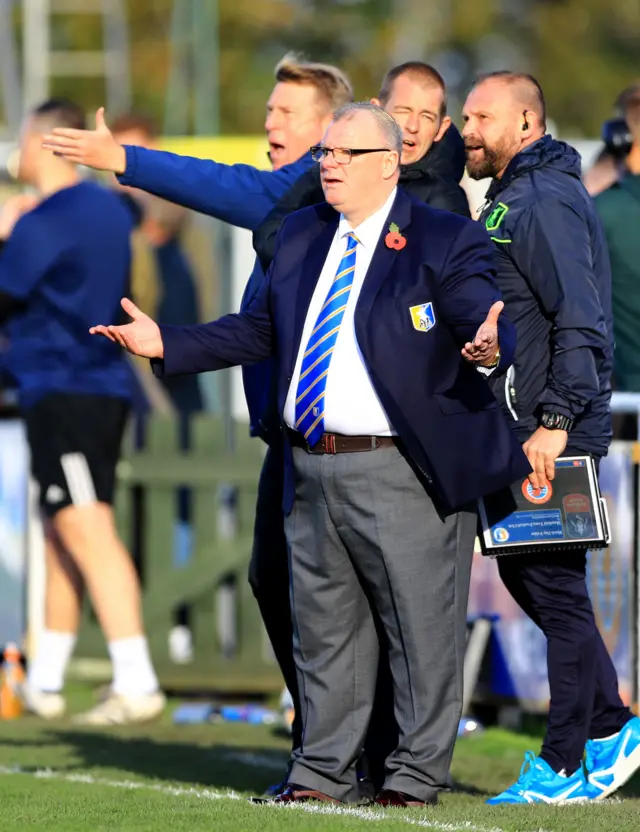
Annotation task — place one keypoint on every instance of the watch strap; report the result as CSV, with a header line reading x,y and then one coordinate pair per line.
x,y
556,421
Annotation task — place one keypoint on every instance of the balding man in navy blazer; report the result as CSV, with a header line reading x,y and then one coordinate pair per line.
x,y
380,312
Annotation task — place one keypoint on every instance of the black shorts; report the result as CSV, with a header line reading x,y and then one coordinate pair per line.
x,y
75,444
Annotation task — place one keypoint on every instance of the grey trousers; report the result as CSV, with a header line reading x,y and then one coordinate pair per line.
x,y
364,534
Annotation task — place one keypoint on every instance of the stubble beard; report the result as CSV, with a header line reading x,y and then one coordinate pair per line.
x,y
493,161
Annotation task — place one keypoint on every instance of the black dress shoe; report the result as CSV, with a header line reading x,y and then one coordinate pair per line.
x,y
270,794
295,793
391,797
274,791
366,791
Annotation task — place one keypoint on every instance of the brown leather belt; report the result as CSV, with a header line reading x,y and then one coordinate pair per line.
x,y
336,443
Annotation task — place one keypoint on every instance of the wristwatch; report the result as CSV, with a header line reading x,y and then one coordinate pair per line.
x,y
494,363
555,421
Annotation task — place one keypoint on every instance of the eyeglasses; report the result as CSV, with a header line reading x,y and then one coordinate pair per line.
x,y
342,155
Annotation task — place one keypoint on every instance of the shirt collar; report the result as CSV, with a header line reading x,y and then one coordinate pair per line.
x,y
369,231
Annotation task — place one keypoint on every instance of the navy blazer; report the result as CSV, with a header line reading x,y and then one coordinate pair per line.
x,y
456,437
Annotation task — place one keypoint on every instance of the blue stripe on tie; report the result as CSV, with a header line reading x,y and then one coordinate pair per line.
x,y
319,349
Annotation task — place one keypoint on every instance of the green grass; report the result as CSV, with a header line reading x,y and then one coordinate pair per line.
x,y
166,777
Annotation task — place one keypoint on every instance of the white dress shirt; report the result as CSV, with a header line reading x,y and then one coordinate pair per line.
x,y
351,405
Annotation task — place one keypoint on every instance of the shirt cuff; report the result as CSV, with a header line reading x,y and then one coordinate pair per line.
x,y
157,367
486,371
129,175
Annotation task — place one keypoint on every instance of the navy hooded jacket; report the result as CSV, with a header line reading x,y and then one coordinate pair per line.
x,y
554,274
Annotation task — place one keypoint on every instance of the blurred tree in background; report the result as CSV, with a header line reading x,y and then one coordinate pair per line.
x,y
583,51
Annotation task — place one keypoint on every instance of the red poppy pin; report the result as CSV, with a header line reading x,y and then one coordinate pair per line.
x,y
394,238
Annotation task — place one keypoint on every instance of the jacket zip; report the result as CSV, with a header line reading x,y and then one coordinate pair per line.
x,y
510,391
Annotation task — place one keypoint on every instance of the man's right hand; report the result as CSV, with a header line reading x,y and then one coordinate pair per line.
x,y
140,337
94,148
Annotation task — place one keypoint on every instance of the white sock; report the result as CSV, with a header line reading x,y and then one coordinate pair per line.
x,y
46,671
133,673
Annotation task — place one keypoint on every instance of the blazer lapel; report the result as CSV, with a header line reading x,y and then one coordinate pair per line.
x,y
384,258
309,274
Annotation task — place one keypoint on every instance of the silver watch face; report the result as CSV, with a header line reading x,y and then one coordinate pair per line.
x,y
554,420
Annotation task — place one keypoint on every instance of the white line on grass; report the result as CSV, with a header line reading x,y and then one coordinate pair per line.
x,y
211,794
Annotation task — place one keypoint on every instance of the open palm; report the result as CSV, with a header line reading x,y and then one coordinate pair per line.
x,y
484,347
140,337
93,148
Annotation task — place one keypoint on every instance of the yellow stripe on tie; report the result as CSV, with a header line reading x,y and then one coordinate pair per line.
x,y
313,404
324,338
311,386
315,364
333,297
312,428
343,273
328,318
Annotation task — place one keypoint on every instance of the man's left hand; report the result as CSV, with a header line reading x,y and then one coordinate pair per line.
x,y
542,450
483,351
141,337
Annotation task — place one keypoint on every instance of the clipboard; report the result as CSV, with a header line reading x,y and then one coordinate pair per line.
x,y
569,513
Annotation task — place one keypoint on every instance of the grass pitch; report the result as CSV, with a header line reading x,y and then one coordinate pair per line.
x,y
162,777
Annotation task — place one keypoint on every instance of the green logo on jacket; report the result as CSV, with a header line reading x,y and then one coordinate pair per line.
x,y
492,223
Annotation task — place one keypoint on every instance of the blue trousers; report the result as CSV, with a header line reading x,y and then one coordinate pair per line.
x,y
585,703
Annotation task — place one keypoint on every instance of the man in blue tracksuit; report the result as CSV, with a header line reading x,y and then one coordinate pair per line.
x,y
298,112
554,275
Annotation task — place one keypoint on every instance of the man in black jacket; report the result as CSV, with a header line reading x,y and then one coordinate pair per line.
x,y
432,153
554,274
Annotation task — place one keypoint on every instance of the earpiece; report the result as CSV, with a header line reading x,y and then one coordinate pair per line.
x,y
525,123
617,137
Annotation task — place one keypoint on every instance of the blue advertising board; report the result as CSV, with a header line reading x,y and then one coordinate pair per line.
x,y
14,487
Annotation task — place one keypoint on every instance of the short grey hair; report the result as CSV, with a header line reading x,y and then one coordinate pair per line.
x,y
387,124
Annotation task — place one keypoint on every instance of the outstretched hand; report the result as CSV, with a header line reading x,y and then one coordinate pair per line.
x,y
483,350
94,148
140,337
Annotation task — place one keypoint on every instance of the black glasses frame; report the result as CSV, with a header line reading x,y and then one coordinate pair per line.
x,y
319,152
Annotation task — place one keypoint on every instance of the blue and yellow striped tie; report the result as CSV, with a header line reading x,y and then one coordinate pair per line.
x,y
319,349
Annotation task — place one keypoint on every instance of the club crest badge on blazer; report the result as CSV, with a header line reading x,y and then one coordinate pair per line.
x,y
423,317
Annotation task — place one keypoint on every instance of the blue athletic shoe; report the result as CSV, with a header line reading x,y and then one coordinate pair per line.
x,y
538,783
611,762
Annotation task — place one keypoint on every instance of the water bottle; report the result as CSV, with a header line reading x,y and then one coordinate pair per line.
x,y
11,678
252,714
180,645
